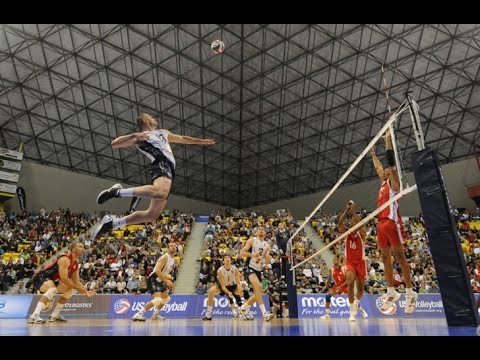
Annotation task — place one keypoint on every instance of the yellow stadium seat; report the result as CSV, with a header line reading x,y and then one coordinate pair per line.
x,y
10,256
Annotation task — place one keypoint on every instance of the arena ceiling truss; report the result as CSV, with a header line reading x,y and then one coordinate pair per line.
x,y
290,106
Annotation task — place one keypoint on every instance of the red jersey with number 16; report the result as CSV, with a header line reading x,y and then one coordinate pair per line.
x,y
354,248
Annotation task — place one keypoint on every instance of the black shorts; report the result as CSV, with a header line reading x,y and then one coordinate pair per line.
x,y
253,271
37,282
153,286
162,168
231,288
39,279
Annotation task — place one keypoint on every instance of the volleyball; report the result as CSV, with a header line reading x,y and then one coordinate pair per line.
x,y
218,46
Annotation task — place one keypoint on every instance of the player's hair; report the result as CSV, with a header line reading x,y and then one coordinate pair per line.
x,y
75,244
141,120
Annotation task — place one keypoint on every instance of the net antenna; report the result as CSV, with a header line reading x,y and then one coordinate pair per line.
x,y
413,108
414,116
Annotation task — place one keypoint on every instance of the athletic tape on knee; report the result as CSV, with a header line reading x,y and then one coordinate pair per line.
x,y
157,301
68,294
50,293
328,297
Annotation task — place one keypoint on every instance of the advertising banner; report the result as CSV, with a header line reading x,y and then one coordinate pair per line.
x,y
78,305
14,306
180,306
195,306
201,218
313,305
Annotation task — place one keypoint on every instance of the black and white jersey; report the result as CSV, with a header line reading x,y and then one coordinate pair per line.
x,y
157,147
168,265
228,275
259,247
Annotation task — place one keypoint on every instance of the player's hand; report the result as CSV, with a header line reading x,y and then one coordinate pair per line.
x,y
90,293
350,205
143,136
208,142
387,134
169,284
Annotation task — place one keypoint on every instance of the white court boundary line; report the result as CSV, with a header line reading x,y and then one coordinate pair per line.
x,y
359,224
393,117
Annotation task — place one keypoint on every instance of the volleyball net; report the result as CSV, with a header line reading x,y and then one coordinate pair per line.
x,y
410,105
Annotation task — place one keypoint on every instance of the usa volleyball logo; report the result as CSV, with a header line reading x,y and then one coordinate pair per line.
x,y
390,311
121,306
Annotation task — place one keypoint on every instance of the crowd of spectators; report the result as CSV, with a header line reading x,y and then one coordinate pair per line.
x,y
115,263
120,261
29,238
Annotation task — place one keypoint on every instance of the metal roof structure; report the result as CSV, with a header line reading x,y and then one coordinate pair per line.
x,y
290,106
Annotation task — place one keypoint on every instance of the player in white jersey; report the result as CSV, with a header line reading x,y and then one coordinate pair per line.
x,y
155,144
258,250
228,283
158,284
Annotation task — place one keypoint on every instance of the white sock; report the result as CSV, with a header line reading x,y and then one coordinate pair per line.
x,y
40,306
262,307
126,192
390,290
209,309
327,311
56,312
120,223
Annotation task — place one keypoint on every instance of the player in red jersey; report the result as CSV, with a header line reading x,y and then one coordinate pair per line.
x,y
390,229
60,276
337,272
356,266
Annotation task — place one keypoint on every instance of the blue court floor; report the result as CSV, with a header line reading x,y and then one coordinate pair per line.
x,y
230,327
